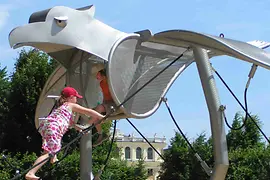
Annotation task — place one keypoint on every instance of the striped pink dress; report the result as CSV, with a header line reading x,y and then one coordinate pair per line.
x,y
54,127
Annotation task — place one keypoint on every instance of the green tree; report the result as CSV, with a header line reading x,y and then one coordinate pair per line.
x,y
251,132
13,162
249,163
68,168
181,162
4,89
235,137
248,136
204,148
248,155
32,69
177,160
116,168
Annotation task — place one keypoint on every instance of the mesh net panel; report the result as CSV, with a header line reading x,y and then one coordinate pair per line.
x,y
133,64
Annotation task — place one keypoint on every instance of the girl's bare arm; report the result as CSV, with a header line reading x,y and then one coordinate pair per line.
x,y
82,110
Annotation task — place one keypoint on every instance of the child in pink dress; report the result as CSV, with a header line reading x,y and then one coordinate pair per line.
x,y
56,125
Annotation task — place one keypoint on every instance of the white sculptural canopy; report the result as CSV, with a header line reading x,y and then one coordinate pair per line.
x,y
79,42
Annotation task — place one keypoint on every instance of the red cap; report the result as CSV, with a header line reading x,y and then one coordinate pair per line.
x,y
69,91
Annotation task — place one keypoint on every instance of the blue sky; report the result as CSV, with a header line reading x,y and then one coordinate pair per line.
x,y
240,20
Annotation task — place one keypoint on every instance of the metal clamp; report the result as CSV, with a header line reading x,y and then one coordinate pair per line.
x,y
222,108
164,99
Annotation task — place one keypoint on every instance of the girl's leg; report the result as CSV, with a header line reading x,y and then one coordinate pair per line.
x,y
99,128
101,135
54,159
101,109
31,174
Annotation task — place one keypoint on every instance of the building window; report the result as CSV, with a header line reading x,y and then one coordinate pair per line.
x,y
149,153
138,153
150,172
127,153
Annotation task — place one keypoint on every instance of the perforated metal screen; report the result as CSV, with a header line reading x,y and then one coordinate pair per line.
x,y
134,63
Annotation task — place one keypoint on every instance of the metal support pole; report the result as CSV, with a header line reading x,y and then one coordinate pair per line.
x,y
213,104
86,157
86,140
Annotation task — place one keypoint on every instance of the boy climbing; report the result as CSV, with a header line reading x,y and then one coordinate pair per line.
x,y
105,106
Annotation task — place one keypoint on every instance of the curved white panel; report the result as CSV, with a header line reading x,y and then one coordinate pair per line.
x,y
133,63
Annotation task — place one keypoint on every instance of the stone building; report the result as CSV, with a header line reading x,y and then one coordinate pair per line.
x,y
134,148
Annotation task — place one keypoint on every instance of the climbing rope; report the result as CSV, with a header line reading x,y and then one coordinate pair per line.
x,y
51,155
59,161
111,145
145,139
204,165
97,176
245,109
223,108
86,130
173,166
4,158
127,99
137,91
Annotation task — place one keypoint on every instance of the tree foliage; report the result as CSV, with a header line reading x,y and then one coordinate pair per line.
x,y
248,155
248,136
20,140
32,69
4,93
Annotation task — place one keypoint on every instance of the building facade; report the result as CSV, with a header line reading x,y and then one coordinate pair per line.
x,y
134,148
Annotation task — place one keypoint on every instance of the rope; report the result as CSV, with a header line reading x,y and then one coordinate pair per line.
x,y
111,145
205,167
127,99
138,90
108,155
86,130
222,108
60,160
145,139
179,129
245,109
175,168
50,155
4,158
